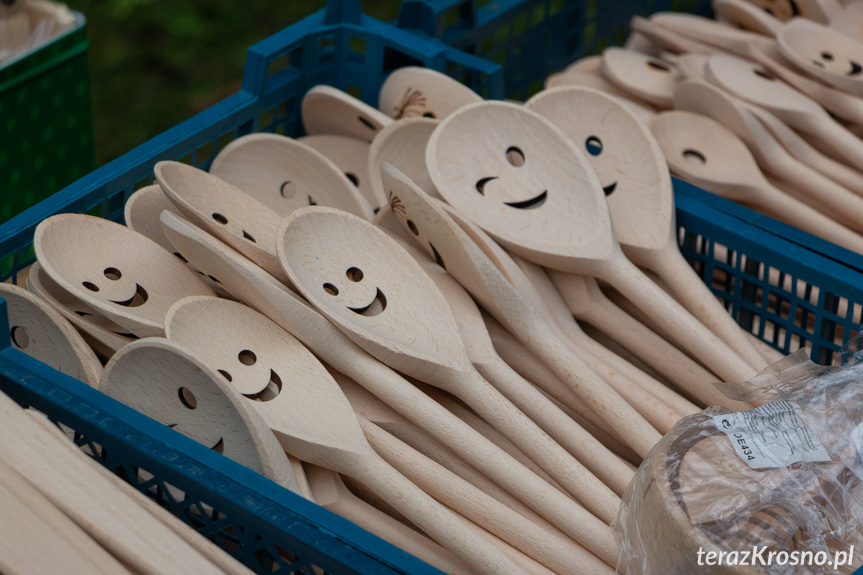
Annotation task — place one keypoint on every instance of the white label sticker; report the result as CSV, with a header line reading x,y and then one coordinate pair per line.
x,y
773,435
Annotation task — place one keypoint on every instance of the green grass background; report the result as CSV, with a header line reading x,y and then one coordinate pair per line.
x,y
155,63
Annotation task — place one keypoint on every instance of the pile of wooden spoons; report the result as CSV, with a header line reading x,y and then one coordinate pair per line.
x,y
764,106
402,316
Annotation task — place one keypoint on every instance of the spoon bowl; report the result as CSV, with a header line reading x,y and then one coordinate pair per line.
x,y
327,110
412,92
351,156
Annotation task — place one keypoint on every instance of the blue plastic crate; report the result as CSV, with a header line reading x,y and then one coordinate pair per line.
x,y
262,524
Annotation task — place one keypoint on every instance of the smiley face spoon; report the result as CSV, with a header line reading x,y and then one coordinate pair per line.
x,y
127,277
749,82
747,16
634,176
382,299
310,415
165,381
709,155
647,78
444,240
403,144
37,329
285,174
351,156
254,286
485,155
225,211
822,53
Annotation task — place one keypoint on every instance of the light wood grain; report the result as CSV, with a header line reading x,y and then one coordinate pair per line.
x,y
647,78
745,15
412,92
351,156
124,275
403,144
820,52
327,110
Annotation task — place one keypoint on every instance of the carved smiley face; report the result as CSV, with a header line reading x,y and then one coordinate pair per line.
x,y
400,211
631,168
781,9
355,295
128,278
518,177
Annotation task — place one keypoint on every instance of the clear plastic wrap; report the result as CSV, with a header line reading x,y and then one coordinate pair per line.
x,y
776,490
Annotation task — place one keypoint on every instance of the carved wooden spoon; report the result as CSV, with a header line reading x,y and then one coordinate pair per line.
x,y
522,393
746,15
327,110
818,191
37,329
225,211
378,295
312,419
164,380
488,159
820,52
129,278
403,144
284,174
647,78
749,82
446,241
351,156
636,182
703,151
711,32
413,92
255,287
104,336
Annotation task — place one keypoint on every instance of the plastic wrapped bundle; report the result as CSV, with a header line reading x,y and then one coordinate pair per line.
x,y
776,489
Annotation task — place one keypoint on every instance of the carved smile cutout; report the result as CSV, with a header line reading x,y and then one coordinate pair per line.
x,y
270,391
529,204
438,260
609,189
219,447
855,69
138,299
376,307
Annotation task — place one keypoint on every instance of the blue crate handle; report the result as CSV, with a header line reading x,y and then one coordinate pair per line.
x,y
343,12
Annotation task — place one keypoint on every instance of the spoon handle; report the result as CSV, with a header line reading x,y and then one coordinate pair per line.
x,y
587,449
602,399
687,331
434,519
645,343
831,137
553,550
519,429
790,210
695,296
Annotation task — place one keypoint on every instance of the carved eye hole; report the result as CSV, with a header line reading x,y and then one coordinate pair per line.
x,y
827,56
694,157
187,398
221,219
112,274
515,156
413,227
657,65
593,146
331,289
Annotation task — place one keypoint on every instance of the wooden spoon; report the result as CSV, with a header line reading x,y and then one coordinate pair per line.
x,y
413,92
327,110
805,153
647,78
703,151
314,421
716,34
634,176
402,144
820,52
384,301
104,336
232,215
439,235
163,380
644,111
669,39
820,192
351,156
749,82
839,103
40,331
285,174
493,152
141,213
522,393
129,278
330,493
745,15
783,10
255,287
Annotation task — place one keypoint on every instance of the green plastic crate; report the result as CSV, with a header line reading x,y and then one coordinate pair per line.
x,y
46,121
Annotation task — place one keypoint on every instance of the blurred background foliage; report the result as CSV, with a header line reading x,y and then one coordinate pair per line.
x,y
155,63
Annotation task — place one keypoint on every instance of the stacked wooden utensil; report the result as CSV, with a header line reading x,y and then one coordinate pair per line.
x,y
443,319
